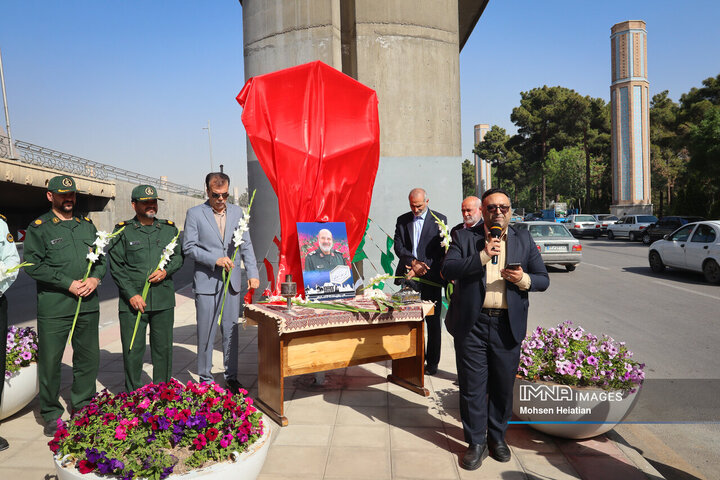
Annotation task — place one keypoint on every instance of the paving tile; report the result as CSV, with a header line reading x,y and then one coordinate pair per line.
x,y
317,397
601,467
417,438
361,435
528,440
363,382
425,464
359,415
492,469
291,461
298,434
415,417
366,398
546,465
592,446
451,416
358,463
455,438
311,414
403,398
369,370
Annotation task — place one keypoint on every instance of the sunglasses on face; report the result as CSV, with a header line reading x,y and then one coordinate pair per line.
x,y
494,208
218,195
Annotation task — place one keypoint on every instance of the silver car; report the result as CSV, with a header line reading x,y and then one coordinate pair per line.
x,y
555,243
694,247
582,225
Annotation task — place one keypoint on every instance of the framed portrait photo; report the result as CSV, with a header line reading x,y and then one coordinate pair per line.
x,y
325,258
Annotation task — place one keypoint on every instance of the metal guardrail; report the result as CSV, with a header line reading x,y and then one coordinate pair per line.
x,y
46,157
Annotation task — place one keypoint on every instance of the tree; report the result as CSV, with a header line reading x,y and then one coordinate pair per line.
x,y
667,161
468,178
566,174
704,150
506,161
587,123
542,123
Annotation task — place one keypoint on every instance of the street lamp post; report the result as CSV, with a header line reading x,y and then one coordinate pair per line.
x,y
7,115
210,143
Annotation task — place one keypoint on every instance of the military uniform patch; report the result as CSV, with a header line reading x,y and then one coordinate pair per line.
x,y
3,217
10,238
55,220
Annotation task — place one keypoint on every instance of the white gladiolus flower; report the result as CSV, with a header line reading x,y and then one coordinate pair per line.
x,y
93,257
243,226
378,279
375,293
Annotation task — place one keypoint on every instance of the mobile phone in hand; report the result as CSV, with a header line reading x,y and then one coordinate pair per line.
x,y
512,266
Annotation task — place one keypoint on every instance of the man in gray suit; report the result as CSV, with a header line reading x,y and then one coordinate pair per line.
x,y
208,240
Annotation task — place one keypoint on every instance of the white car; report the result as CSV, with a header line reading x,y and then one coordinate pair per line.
x,y
694,247
630,226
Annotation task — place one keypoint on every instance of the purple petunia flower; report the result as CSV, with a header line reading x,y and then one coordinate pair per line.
x,y
592,360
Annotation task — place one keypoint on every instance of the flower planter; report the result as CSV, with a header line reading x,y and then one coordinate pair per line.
x,y
19,390
246,465
570,412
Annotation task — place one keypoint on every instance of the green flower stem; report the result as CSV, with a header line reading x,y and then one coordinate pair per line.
x,y
146,288
77,310
226,280
226,275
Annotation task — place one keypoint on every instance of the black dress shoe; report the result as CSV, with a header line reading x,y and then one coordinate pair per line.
x,y
4,445
50,428
474,456
499,451
234,386
431,369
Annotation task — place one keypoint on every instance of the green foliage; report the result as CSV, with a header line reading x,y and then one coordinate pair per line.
x,y
468,178
566,174
704,149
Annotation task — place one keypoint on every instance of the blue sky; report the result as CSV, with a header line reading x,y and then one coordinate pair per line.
x,y
133,83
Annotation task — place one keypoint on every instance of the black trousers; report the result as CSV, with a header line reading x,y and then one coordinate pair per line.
x,y
487,361
3,339
433,324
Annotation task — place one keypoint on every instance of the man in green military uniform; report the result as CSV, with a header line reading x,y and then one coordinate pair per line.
x,y
9,258
324,258
134,257
57,244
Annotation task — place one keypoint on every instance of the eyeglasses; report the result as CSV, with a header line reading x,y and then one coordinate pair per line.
x,y
493,208
218,195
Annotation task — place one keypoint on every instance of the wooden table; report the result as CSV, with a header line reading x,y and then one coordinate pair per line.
x,y
283,353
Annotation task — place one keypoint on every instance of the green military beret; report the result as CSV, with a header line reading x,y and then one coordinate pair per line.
x,y
62,184
144,192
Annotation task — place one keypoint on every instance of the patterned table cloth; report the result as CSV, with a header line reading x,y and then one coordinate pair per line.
x,y
305,318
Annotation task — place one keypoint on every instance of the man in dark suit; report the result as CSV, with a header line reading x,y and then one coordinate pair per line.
x,y
417,245
471,215
489,320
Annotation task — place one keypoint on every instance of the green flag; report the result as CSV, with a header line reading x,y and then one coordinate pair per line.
x,y
359,253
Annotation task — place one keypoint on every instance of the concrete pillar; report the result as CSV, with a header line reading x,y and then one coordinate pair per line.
x,y
630,104
408,52
483,173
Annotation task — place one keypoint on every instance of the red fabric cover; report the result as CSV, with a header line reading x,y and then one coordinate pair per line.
x,y
316,134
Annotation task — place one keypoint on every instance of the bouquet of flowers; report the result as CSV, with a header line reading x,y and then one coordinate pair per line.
x,y
570,356
21,351
158,429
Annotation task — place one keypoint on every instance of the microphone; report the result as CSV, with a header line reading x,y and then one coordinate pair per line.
x,y
495,232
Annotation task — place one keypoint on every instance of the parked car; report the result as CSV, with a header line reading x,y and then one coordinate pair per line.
x,y
516,218
630,226
694,247
583,225
664,226
555,243
605,219
531,217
